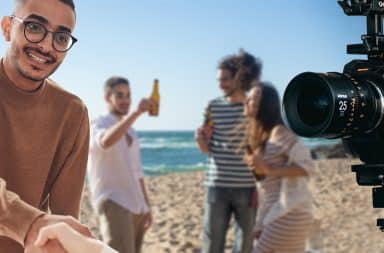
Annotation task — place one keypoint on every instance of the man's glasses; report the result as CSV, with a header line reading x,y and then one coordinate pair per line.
x,y
35,33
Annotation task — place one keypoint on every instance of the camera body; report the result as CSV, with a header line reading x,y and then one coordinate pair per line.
x,y
348,105
361,7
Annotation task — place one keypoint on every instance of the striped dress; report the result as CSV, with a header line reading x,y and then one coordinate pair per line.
x,y
284,218
226,162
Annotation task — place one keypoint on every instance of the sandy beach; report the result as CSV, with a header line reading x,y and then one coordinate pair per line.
x,y
345,220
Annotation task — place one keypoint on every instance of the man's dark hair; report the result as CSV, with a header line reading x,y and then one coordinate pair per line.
x,y
70,3
114,81
244,67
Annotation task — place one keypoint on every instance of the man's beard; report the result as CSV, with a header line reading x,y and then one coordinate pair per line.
x,y
230,92
116,112
35,79
24,74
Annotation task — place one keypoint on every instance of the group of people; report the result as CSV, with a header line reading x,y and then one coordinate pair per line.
x,y
47,143
258,169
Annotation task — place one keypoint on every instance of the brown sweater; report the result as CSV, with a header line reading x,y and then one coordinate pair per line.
x,y
44,139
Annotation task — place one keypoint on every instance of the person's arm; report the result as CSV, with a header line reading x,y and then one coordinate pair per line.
x,y
138,171
283,171
117,131
148,216
143,188
21,222
299,159
261,167
16,216
202,137
203,133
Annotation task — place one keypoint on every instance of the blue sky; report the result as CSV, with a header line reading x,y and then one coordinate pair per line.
x,y
180,42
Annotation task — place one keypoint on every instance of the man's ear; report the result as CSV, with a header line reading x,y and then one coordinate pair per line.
x,y
107,97
6,25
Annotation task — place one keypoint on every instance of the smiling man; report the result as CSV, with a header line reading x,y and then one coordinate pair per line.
x,y
116,178
44,130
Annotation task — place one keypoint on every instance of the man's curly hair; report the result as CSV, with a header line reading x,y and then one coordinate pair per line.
x,y
244,68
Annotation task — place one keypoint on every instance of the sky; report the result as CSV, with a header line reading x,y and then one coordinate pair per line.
x,y
180,42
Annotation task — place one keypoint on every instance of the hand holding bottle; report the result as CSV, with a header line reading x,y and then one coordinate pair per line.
x,y
145,105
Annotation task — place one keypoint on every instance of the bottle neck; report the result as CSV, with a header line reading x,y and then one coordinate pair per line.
x,y
155,88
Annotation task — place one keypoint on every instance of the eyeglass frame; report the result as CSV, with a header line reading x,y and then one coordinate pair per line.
x,y
25,23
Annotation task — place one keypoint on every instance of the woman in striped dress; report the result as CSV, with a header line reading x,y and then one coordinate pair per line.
x,y
285,210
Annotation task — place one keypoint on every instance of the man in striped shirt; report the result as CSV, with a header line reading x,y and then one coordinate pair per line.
x,y
230,186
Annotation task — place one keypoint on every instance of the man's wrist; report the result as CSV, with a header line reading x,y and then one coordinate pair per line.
x,y
137,113
33,229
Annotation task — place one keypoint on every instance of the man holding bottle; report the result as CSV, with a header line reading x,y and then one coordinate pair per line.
x,y
230,186
115,172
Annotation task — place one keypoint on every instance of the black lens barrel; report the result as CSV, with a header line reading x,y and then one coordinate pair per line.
x,y
333,105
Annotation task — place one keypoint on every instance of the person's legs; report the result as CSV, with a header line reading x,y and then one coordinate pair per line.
x,y
244,220
116,227
217,214
138,220
287,234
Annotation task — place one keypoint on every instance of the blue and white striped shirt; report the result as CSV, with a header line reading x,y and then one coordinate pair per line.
x,y
226,159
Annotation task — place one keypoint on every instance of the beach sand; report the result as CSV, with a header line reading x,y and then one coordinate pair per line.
x,y
345,219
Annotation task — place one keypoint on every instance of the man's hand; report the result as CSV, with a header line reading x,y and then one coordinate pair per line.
x,y
148,220
145,105
52,246
202,136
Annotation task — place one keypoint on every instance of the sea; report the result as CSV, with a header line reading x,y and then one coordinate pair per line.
x,y
165,152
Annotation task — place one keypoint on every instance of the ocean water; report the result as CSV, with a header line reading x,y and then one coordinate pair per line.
x,y
164,152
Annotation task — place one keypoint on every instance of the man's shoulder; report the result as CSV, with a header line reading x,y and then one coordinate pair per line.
x,y
63,97
217,100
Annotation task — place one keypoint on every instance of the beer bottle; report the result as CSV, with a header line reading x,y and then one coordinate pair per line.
x,y
208,117
155,96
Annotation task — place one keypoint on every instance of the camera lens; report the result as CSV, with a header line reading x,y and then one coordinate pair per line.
x,y
314,105
333,105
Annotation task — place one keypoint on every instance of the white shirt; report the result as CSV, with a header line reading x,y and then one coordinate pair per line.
x,y
115,173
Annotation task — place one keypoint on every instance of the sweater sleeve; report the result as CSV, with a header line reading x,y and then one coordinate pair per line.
x,y
16,216
66,192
